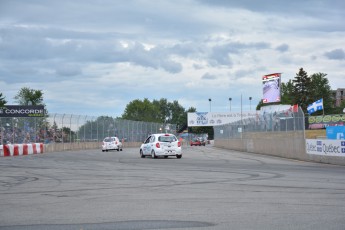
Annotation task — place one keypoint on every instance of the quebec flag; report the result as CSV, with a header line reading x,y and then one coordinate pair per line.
x,y
316,106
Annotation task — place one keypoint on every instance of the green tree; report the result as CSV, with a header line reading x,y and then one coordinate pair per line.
x,y
159,111
27,96
178,113
164,115
320,88
142,110
183,122
2,100
302,90
287,90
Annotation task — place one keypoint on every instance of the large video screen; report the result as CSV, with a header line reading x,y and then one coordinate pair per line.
x,y
271,88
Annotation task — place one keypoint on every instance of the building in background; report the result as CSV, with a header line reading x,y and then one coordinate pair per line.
x,y
338,96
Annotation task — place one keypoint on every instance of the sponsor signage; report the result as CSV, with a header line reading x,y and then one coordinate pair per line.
x,y
335,132
214,119
22,111
317,122
325,147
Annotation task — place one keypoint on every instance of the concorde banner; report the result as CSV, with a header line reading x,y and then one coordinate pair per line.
x,y
214,119
22,111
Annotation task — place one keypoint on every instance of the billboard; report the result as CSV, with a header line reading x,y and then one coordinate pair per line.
x,y
22,111
271,88
214,119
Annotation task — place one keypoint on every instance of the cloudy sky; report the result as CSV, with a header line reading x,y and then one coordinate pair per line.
x,y
94,57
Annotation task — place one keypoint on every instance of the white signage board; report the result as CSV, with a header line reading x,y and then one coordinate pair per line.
x,y
325,147
214,119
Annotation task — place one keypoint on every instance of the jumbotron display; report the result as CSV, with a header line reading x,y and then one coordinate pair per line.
x,y
271,88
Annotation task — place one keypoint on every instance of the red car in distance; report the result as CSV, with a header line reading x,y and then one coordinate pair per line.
x,y
199,141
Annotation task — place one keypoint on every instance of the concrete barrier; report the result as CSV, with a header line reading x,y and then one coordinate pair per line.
x,y
28,149
21,149
59,147
290,145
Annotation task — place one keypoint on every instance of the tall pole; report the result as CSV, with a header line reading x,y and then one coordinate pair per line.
x,y
250,103
241,110
241,120
210,103
230,102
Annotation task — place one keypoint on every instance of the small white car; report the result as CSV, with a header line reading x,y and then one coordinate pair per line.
x,y
111,143
162,144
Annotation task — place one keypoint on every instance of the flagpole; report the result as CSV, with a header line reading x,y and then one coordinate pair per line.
x,y
323,108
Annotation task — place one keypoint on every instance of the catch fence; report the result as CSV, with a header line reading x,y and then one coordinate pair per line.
x,y
264,122
69,128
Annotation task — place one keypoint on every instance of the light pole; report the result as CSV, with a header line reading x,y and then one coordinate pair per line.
x,y
250,103
210,103
230,99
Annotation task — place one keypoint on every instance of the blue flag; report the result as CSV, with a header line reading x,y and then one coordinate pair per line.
x,y
316,106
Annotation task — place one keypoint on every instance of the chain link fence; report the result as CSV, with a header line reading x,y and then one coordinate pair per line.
x,y
275,122
69,128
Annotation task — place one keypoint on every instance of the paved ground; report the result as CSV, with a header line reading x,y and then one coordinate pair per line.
x,y
208,188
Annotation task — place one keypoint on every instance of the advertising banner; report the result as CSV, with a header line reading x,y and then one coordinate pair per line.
x,y
319,122
325,147
22,111
335,132
214,119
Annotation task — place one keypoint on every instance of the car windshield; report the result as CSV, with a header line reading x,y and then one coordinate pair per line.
x,y
108,139
166,138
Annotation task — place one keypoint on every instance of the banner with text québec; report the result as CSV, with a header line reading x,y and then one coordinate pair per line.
x,y
325,147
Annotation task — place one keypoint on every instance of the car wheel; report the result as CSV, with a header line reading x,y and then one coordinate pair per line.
x,y
153,154
118,149
121,149
178,156
142,154
106,150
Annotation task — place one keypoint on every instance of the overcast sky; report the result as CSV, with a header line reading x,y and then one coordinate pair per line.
x,y
94,57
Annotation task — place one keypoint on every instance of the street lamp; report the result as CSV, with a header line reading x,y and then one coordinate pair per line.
x,y
230,99
210,103
250,103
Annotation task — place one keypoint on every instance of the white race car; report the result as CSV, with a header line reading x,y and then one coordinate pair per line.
x,y
161,144
111,143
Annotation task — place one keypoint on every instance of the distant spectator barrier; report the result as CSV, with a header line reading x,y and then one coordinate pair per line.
x,y
21,149
69,132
